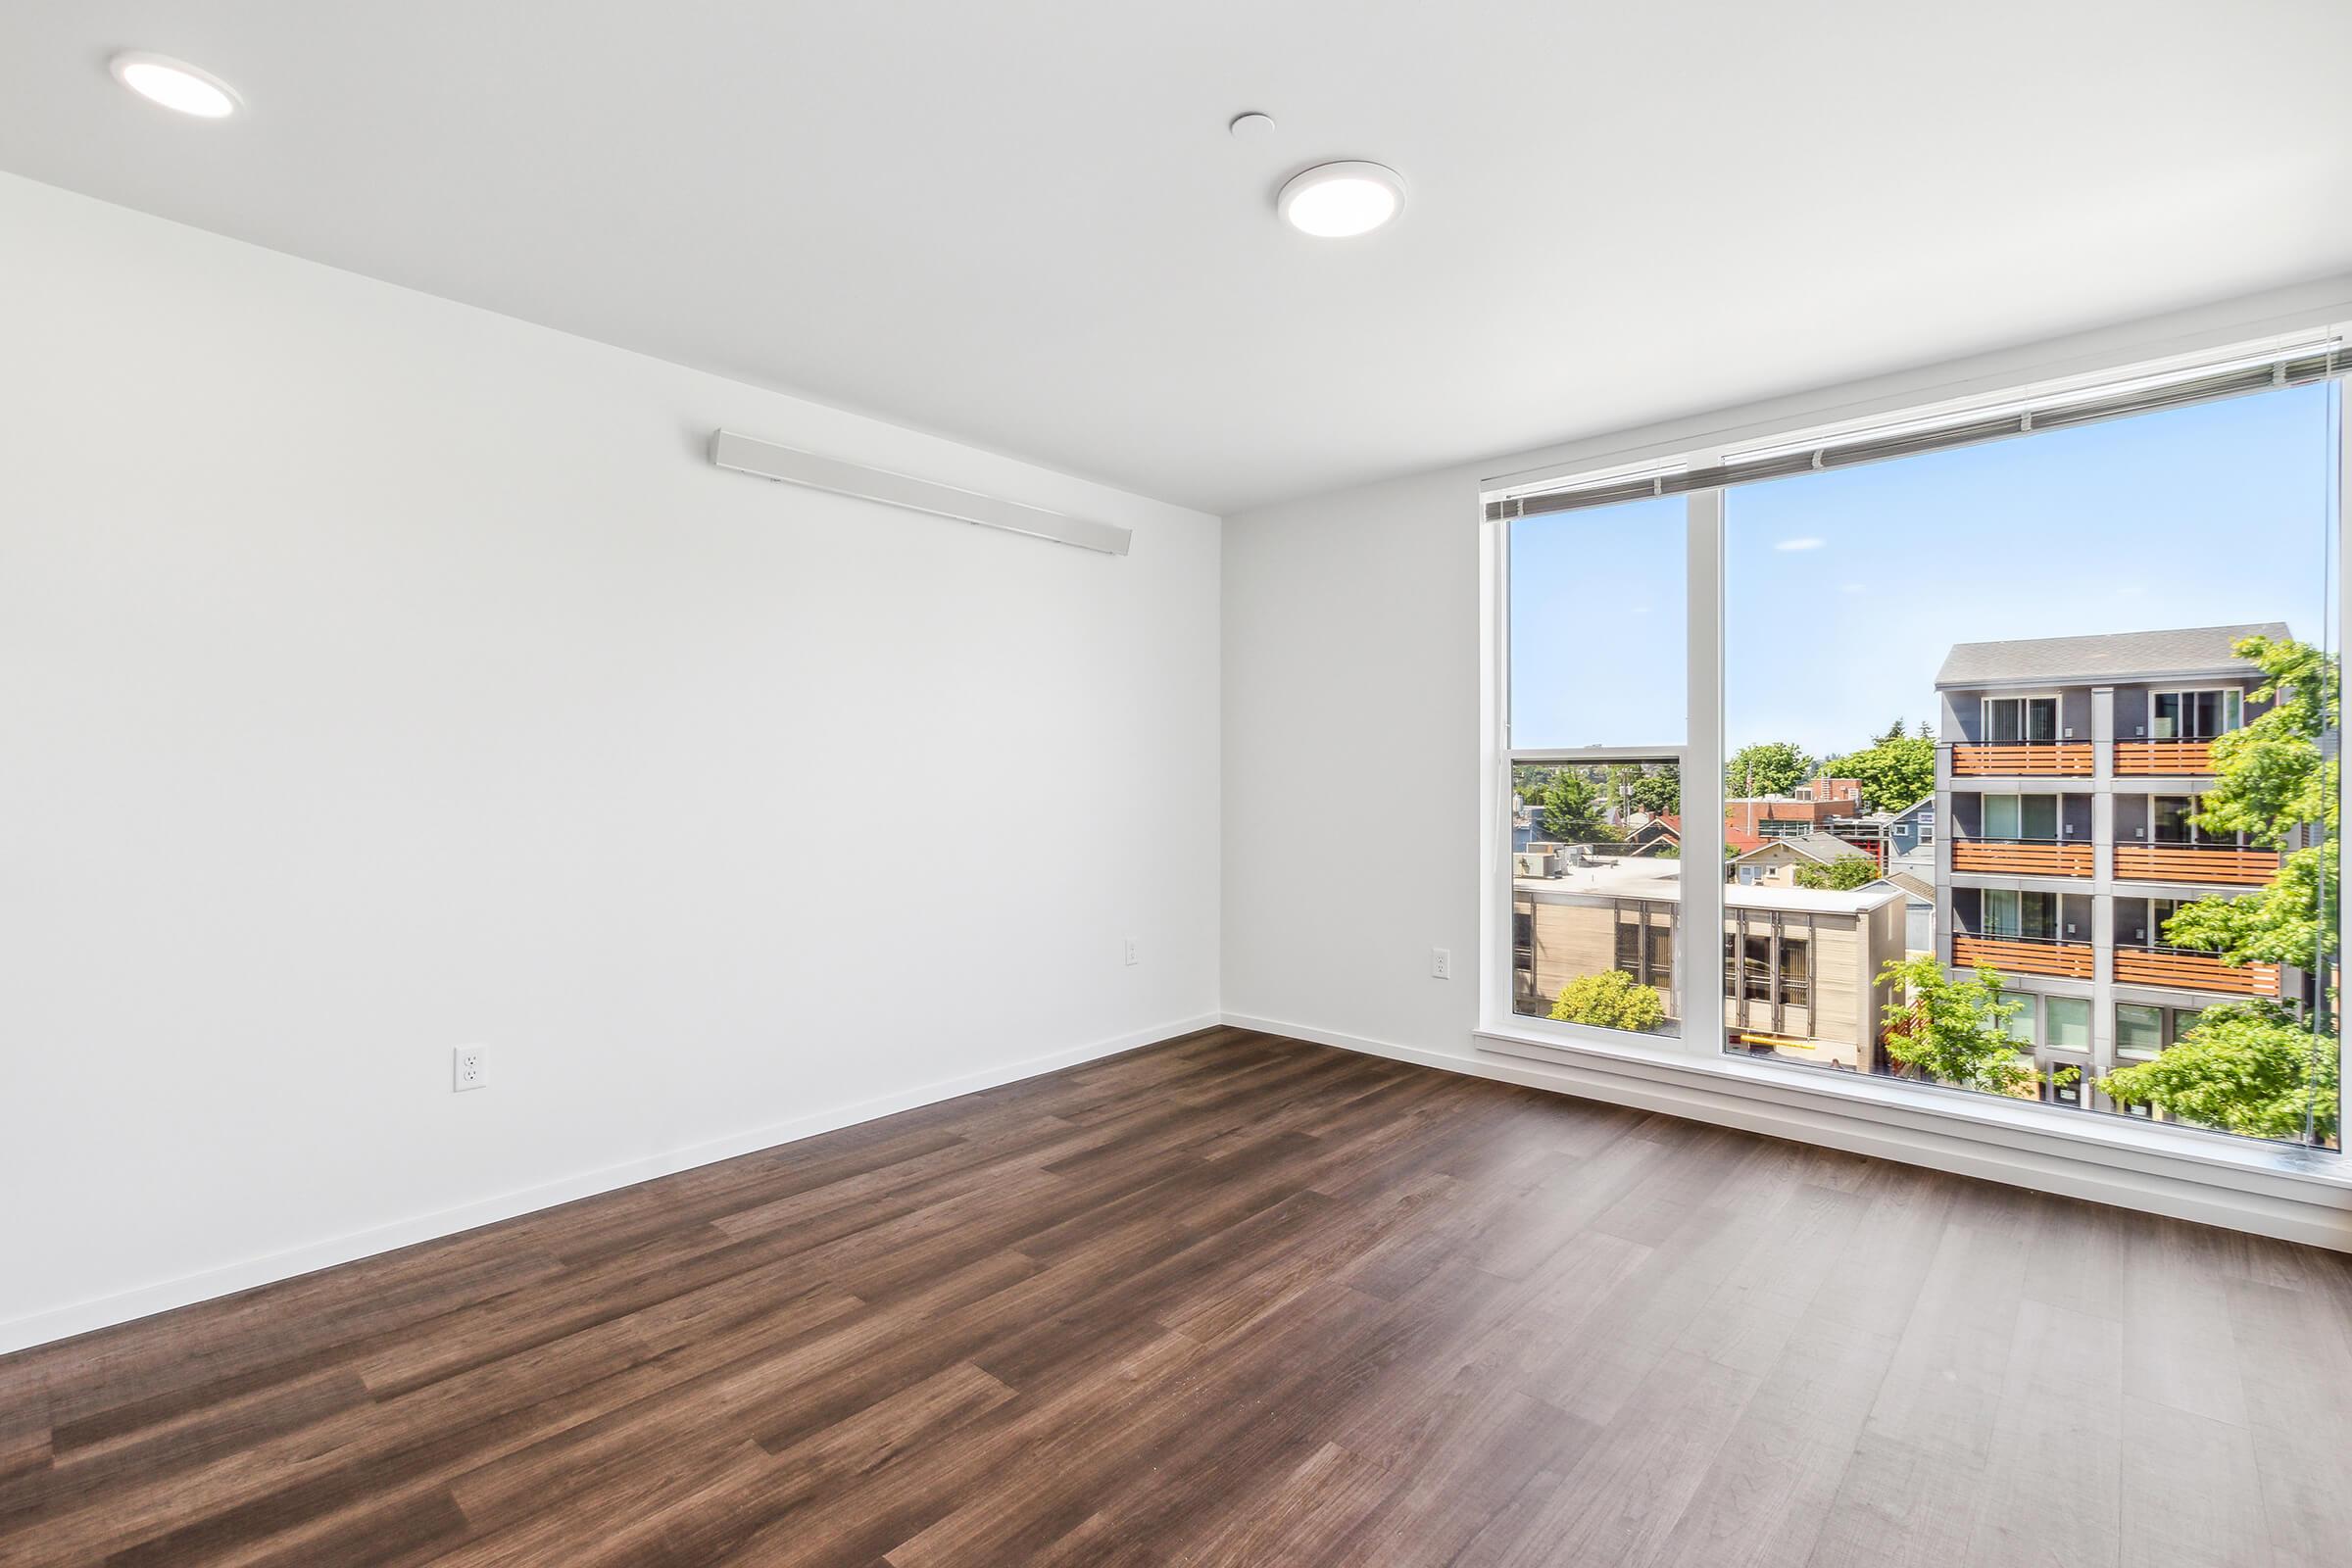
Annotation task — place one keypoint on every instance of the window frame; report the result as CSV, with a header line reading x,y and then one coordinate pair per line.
x,y
1692,1060
1985,798
1986,704
2157,693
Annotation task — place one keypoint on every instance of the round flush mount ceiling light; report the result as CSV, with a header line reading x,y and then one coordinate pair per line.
x,y
1339,200
174,83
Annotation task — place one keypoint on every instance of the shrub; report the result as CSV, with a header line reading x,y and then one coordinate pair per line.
x,y
1610,1000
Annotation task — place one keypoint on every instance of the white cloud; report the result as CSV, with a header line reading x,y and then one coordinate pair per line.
x,y
1800,544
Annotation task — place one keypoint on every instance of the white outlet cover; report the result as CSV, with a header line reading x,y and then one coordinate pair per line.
x,y
469,1068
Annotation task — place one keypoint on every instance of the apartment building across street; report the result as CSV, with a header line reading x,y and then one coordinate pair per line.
x,y
2067,784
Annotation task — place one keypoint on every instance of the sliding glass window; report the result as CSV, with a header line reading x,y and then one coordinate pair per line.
x,y
2009,805
1597,718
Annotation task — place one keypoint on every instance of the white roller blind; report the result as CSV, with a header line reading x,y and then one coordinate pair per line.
x,y
2142,394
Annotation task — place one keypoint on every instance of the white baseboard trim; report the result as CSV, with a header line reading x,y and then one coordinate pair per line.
x,y
97,1312
2316,1213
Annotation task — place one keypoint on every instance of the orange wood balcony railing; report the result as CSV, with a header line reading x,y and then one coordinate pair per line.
x,y
2021,858
2070,961
2022,758
2194,862
2195,971
2139,759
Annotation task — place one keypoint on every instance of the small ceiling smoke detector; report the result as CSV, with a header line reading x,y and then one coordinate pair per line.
x,y
174,83
1340,200
1250,127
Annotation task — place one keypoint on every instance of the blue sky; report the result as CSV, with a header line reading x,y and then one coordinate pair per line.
x,y
1845,590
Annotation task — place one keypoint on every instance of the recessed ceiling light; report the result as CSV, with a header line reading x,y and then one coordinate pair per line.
x,y
175,84
1338,201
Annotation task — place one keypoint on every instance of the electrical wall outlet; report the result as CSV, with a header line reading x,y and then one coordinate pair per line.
x,y
1440,964
1130,951
469,1068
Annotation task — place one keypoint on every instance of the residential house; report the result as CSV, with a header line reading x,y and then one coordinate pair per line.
x,y
1775,861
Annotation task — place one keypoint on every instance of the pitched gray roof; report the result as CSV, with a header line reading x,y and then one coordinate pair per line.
x,y
1819,847
1918,887
2189,651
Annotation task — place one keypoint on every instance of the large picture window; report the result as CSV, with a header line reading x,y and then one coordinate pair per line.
x,y
1742,699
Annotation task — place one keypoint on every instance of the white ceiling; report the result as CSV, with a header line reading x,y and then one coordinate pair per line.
x,y
1021,222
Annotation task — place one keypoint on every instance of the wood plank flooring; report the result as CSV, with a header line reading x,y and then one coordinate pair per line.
x,y
1233,1300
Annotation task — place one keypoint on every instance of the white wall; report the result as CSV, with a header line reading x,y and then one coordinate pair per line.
x,y
1351,762
378,674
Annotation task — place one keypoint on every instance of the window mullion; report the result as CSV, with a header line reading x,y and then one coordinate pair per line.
x,y
1700,931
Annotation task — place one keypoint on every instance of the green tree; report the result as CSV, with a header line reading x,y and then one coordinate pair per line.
x,y
1894,732
1659,793
1609,999
2255,1067
2272,776
1954,1031
2247,1067
1842,875
1898,771
1766,767
1571,809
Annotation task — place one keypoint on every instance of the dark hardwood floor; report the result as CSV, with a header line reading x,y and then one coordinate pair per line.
x,y
1232,1300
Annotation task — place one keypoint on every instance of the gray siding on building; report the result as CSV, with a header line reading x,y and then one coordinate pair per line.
x,y
2130,711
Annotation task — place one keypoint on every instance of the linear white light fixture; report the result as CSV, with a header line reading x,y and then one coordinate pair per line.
x,y
741,454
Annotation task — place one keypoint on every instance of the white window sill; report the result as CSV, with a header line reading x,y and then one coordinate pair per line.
x,y
2301,1195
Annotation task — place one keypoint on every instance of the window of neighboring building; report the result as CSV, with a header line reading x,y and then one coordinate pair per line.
x,y
2025,917
2021,718
2030,819
2138,1030
2193,716
2172,819
2139,922
1756,967
1645,945
2068,1020
1796,971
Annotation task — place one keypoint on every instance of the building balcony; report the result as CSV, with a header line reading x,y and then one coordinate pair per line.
x,y
2068,960
2194,862
2022,857
2021,758
2168,759
2191,970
